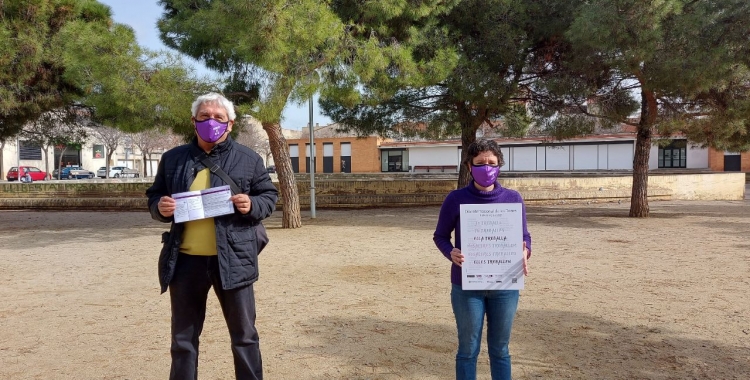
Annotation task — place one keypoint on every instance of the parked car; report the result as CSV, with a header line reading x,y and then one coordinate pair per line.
x,y
117,172
73,172
34,173
271,169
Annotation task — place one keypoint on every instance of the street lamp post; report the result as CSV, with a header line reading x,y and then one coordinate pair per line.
x,y
312,162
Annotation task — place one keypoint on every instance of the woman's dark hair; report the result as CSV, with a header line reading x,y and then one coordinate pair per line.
x,y
483,145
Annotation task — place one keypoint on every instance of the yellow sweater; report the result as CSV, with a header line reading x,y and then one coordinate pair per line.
x,y
199,237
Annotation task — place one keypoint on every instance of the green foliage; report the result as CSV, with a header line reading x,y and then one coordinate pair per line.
x,y
691,55
32,74
458,64
270,50
69,52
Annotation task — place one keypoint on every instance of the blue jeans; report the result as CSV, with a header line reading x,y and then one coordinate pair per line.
x,y
469,307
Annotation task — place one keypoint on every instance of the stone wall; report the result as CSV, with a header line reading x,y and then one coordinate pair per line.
x,y
83,195
352,191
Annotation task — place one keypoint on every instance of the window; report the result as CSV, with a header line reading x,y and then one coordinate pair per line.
x,y
30,151
327,157
310,156
394,160
98,151
673,155
346,157
294,155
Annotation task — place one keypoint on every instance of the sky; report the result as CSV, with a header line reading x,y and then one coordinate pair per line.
x,y
142,15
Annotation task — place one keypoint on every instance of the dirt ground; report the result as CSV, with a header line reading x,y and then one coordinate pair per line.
x,y
365,295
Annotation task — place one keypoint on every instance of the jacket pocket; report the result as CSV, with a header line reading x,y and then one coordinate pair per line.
x,y
167,258
164,256
242,244
261,237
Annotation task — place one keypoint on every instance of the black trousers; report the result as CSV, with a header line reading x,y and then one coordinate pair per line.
x,y
188,292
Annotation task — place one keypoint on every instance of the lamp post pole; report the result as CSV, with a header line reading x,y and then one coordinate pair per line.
x,y
312,162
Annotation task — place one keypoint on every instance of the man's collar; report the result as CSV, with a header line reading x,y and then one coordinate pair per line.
x,y
218,148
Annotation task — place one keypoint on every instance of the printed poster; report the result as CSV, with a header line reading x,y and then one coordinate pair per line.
x,y
492,245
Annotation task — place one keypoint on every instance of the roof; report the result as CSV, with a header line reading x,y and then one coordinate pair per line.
x,y
514,141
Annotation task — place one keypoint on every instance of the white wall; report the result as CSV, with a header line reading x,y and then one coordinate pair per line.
x,y
697,157
541,158
507,158
585,157
523,158
653,158
620,157
10,159
558,157
88,161
602,150
439,155
601,156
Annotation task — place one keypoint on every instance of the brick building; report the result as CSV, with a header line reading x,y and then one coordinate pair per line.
x,y
344,153
719,161
335,152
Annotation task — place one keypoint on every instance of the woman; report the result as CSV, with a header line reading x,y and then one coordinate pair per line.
x,y
484,160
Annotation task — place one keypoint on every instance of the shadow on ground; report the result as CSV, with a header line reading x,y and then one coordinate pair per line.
x,y
35,229
381,349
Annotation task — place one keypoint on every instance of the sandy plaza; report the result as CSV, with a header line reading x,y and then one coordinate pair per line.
x,y
364,294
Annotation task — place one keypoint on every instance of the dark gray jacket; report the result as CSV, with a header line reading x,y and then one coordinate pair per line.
x,y
235,233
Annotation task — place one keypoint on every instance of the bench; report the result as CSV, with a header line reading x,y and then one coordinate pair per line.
x,y
129,173
436,167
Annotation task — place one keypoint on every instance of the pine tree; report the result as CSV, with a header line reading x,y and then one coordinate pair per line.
x,y
680,65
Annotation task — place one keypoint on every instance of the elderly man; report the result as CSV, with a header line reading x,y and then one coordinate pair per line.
x,y
219,252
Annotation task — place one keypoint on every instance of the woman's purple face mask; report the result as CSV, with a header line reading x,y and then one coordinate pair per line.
x,y
485,175
485,168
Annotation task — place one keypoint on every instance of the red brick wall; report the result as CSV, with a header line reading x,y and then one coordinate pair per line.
x,y
745,162
716,160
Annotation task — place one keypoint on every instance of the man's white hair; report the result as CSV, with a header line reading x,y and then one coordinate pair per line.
x,y
215,98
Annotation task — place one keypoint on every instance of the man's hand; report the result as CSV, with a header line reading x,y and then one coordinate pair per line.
x,y
166,205
242,202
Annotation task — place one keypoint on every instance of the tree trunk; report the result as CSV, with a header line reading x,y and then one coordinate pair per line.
x,y
45,150
639,197
469,126
106,164
59,163
2,158
291,215
145,163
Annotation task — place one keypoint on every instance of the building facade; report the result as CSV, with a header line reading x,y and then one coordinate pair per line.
x,y
613,152
593,153
341,153
91,156
337,154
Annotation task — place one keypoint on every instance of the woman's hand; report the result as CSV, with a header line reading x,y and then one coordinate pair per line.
x,y
457,257
525,260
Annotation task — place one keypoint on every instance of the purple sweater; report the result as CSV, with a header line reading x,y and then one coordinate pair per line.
x,y
449,219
